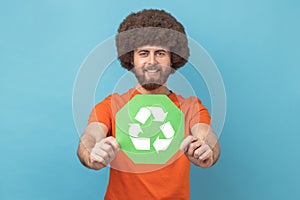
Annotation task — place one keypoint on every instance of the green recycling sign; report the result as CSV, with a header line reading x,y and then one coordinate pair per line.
x,y
150,129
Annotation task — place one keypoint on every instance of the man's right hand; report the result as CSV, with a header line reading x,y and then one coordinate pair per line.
x,y
104,152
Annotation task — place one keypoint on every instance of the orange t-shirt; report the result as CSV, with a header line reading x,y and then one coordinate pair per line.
x,y
149,181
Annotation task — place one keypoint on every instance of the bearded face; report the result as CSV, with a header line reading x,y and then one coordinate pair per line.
x,y
153,76
152,66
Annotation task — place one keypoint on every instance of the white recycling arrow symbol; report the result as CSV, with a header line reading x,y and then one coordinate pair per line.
x,y
135,130
163,144
139,143
143,115
158,114
144,143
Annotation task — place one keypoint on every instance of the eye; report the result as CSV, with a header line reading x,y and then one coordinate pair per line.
x,y
143,53
160,53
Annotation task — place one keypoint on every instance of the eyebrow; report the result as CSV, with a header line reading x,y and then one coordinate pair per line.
x,y
159,50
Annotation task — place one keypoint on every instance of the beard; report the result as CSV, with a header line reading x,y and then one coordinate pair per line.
x,y
151,86
152,83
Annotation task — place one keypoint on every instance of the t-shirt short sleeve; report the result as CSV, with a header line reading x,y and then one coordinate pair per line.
x,y
200,113
102,113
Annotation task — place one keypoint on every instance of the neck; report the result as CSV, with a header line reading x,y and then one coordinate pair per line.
x,y
161,90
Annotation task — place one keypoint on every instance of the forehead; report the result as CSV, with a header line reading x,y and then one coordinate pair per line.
x,y
152,48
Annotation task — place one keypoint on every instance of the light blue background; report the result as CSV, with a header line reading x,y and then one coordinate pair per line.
x,y
254,43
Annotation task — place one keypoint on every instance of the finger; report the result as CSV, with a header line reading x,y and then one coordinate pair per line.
x,y
206,155
196,144
109,150
113,142
198,152
206,163
186,142
102,154
203,148
94,158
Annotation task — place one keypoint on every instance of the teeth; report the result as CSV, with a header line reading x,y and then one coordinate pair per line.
x,y
151,71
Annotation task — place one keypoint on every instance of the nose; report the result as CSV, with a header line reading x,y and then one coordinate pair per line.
x,y
152,59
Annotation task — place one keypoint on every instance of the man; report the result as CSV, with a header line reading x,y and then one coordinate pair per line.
x,y
153,45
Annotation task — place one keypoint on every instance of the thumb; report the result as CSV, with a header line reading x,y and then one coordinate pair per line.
x,y
186,142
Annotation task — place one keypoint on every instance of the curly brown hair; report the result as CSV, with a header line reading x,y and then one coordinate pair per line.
x,y
152,27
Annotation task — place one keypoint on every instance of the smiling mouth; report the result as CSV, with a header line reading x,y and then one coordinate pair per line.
x,y
151,70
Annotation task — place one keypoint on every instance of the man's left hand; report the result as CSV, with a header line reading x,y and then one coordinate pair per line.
x,y
197,151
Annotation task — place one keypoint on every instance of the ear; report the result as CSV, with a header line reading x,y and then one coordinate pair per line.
x,y
132,64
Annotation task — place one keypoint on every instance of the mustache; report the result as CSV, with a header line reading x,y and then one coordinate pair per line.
x,y
152,67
